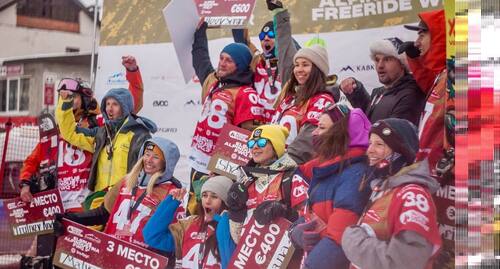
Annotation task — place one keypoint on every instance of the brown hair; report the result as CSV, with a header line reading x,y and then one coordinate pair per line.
x,y
335,141
316,82
210,242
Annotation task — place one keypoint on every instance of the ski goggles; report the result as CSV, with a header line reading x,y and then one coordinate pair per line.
x,y
261,142
269,33
74,85
336,111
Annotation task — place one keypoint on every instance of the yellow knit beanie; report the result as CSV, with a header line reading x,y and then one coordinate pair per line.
x,y
277,134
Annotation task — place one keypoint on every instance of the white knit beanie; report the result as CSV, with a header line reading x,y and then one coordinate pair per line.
x,y
389,47
219,185
317,55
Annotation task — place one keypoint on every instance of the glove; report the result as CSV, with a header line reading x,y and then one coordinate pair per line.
x,y
303,235
268,211
273,4
237,198
410,49
58,226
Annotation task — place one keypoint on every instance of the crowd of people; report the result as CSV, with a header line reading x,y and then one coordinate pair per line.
x,y
353,173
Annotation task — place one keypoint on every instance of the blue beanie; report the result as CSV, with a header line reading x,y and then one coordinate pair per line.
x,y
240,54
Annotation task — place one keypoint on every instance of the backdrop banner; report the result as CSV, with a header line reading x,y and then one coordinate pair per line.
x,y
347,26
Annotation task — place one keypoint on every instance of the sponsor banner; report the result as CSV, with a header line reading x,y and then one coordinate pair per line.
x,y
82,247
222,13
35,217
263,246
231,151
311,16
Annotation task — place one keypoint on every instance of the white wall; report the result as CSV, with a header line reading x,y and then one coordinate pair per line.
x,y
22,41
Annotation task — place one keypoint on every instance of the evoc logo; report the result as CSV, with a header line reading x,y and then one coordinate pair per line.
x,y
163,103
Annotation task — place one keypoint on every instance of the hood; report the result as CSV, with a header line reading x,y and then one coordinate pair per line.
x,y
237,79
435,58
123,97
359,127
417,173
171,154
133,122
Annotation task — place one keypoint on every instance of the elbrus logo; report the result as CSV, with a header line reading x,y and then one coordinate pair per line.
x,y
358,68
116,78
346,68
162,103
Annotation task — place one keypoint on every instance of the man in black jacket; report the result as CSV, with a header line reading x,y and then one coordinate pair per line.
x,y
400,96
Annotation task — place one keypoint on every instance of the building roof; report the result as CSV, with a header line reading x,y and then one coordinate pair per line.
x,y
7,3
59,57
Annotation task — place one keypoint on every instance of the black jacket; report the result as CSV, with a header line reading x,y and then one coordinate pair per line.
x,y
404,100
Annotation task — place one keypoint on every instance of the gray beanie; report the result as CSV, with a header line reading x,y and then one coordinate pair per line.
x,y
317,55
219,185
389,47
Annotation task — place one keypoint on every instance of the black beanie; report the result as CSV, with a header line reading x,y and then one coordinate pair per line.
x,y
400,135
269,26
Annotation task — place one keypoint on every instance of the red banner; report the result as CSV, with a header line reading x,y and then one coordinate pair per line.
x,y
223,13
82,247
35,217
231,151
263,246
48,94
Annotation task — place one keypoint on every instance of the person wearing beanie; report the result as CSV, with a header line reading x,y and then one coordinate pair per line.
x,y
336,193
305,93
206,233
227,96
405,227
266,80
264,187
147,184
428,62
399,96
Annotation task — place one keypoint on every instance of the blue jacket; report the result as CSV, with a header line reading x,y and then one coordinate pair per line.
x,y
335,198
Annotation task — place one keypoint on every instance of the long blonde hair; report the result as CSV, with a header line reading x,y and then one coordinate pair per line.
x,y
133,176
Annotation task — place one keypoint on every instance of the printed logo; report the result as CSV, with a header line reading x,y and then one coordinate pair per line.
x,y
163,103
416,217
117,78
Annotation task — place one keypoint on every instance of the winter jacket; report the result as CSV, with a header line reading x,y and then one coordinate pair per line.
x,y
116,208
399,228
430,72
107,170
184,237
403,100
73,185
335,198
231,99
280,186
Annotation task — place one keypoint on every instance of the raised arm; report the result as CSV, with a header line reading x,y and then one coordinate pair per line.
x,y
201,57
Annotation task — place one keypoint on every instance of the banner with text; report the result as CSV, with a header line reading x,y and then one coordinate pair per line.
x,y
81,247
231,151
263,246
36,217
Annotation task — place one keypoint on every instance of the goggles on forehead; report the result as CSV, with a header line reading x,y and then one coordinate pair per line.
x,y
269,33
261,142
337,110
74,85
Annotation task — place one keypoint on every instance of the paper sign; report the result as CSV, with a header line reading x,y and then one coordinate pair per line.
x,y
231,151
263,246
36,217
181,17
81,247
223,13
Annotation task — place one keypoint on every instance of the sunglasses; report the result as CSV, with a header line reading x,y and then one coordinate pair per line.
x,y
270,34
74,85
261,142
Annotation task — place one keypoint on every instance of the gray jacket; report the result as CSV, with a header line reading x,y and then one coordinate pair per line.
x,y
406,249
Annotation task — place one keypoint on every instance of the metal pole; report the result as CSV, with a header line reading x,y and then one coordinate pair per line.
x,y
8,128
92,69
